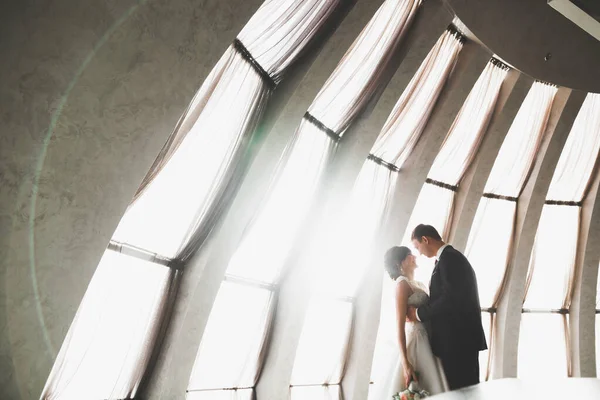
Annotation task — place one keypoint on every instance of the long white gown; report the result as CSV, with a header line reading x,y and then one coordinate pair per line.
x,y
429,368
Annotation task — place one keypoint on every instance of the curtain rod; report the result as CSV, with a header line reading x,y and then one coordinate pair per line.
x,y
457,33
498,63
546,83
243,51
448,186
563,311
563,203
383,163
499,197
321,126
145,255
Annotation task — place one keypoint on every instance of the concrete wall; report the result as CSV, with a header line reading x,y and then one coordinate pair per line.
x,y
90,91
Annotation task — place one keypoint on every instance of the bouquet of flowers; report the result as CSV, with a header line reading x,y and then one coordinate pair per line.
x,y
414,392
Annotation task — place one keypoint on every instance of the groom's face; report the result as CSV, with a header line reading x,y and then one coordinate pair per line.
x,y
423,246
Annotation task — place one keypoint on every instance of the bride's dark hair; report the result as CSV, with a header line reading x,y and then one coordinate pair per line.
x,y
393,258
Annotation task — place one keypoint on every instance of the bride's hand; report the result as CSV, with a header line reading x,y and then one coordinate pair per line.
x,y
409,374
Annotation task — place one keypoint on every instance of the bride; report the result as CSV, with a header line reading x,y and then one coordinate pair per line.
x,y
416,362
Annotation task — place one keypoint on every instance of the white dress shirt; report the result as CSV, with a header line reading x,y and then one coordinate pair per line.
x,y
437,258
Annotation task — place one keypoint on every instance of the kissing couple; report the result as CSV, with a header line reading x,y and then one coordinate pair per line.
x,y
440,334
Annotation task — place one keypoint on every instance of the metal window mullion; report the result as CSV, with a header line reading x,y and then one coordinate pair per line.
x,y
251,282
142,254
219,389
563,311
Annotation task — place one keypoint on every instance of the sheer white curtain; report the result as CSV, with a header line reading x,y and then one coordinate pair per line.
x,y
518,151
403,128
323,346
575,166
491,235
435,202
233,339
199,169
108,346
271,234
552,266
344,259
469,126
182,196
256,265
358,75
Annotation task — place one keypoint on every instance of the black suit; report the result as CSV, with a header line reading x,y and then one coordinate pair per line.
x,y
454,318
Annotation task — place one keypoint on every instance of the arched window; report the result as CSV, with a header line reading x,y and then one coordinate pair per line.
x,y
436,199
544,339
490,240
347,253
178,203
254,271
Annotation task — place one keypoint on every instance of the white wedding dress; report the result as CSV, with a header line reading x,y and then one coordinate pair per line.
x,y
429,368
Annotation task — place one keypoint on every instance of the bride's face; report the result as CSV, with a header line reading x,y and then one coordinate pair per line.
x,y
410,263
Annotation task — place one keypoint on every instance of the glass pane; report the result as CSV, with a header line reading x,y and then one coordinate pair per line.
x,y
486,320
239,394
579,155
542,346
553,257
347,248
109,342
321,352
332,392
265,247
233,338
433,207
519,148
489,245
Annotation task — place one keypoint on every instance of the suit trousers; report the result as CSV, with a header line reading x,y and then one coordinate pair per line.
x,y
461,369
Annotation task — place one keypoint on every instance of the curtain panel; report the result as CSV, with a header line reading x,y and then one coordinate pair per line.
x,y
491,237
567,190
208,148
271,234
183,195
495,216
357,226
114,330
552,268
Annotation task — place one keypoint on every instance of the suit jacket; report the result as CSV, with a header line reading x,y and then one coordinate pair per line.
x,y
453,312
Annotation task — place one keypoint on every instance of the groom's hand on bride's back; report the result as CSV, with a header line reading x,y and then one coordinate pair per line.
x,y
411,314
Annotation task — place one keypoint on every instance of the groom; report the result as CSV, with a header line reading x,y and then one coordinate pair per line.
x,y
453,312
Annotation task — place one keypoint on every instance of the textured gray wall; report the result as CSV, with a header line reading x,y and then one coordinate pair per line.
x,y
112,77
116,75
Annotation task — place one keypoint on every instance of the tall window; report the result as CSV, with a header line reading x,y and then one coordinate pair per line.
x,y
490,240
544,339
190,184
435,202
255,268
323,347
